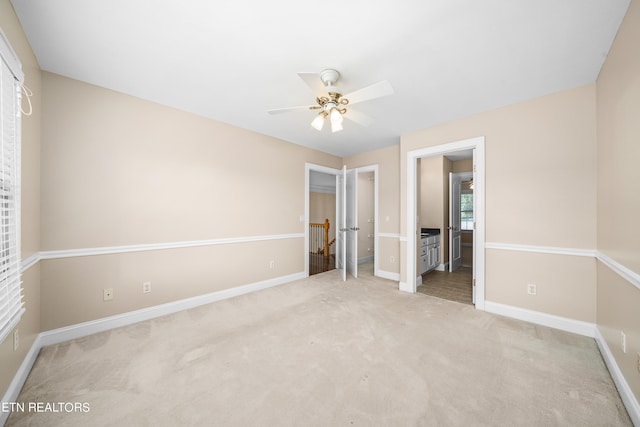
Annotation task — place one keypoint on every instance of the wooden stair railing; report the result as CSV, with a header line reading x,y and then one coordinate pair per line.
x,y
319,237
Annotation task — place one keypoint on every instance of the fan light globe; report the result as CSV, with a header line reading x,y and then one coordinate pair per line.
x,y
336,126
318,122
335,116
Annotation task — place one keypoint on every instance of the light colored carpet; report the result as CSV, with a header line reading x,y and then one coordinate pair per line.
x,y
319,352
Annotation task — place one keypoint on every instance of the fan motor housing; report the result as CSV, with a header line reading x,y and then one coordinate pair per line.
x,y
329,77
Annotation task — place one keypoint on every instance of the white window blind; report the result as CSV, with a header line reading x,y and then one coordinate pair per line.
x,y
11,305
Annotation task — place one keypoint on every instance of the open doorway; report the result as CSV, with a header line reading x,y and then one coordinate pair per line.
x,y
322,222
445,218
434,251
352,237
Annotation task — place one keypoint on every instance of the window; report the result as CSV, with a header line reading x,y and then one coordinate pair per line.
x,y
466,210
11,305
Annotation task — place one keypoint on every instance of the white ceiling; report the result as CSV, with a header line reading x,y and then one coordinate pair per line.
x,y
232,60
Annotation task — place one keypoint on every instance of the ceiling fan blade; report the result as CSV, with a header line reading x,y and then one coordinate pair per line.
x,y
314,82
290,109
358,117
376,90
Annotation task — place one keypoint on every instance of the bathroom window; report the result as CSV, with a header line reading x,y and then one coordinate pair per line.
x,y
466,210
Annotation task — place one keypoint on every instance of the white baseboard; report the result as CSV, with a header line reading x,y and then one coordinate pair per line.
x,y
20,377
557,322
443,267
403,286
79,330
582,328
365,259
626,394
67,333
389,275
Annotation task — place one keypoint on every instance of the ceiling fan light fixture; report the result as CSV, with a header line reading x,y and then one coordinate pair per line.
x,y
332,106
335,116
318,122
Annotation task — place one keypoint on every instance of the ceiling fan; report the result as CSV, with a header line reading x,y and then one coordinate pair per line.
x,y
331,103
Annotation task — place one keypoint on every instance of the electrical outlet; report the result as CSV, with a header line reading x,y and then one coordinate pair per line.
x,y
623,341
146,287
272,264
107,294
532,289
392,259
16,339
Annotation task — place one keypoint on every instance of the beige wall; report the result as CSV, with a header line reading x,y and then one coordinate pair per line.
x,y
72,287
117,170
124,171
431,195
388,161
535,153
29,326
121,171
464,165
618,95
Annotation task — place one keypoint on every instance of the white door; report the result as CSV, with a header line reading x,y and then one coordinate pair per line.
x,y
352,221
341,227
455,230
473,251
455,235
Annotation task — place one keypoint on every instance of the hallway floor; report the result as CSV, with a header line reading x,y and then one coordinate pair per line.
x,y
456,286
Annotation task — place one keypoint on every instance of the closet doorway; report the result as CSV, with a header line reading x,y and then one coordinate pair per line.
x,y
348,232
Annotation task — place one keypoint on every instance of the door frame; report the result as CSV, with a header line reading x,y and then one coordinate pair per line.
x,y
374,169
452,175
331,171
477,144
308,167
351,220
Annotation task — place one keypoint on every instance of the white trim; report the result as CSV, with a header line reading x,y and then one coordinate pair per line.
x,y
390,235
477,145
365,259
10,57
389,275
12,393
545,319
29,262
108,250
68,253
624,272
406,287
626,394
376,240
308,167
541,249
322,189
79,330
